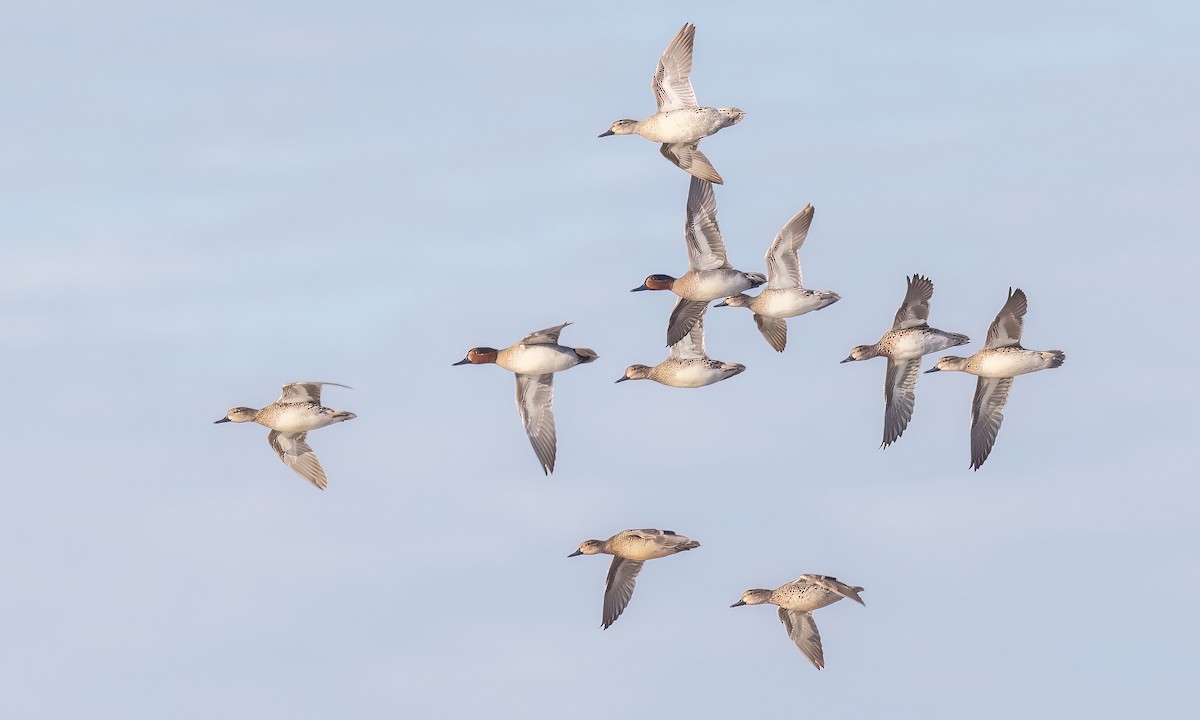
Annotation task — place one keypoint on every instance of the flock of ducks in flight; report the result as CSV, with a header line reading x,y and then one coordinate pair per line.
x,y
680,124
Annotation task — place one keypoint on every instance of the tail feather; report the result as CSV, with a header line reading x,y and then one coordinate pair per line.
x,y
586,355
1056,357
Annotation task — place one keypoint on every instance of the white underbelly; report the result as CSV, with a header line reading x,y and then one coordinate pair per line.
x,y
295,420
689,375
537,359
785,303
678,126
708,285
909,346
1009,364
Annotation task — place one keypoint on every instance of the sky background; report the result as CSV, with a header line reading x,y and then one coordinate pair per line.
x,y
201,201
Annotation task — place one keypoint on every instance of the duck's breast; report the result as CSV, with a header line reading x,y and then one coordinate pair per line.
x,y
537,359
294,417
785,303
1009,363
711,284
680,126
687,374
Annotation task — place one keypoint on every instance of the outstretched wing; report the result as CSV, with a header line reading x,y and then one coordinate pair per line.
x,y
549,336
294,451
900,395
691,346
672,82
773,329
687,157
914,311
706,249
622,575
304,392
1007,327
535,400
686,315
783,263
987,412
803,631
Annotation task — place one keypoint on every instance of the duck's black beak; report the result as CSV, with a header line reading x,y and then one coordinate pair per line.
x,y
739,603
224,419
640,287
577,552
849,359
464,361
935,368
606,133
623,378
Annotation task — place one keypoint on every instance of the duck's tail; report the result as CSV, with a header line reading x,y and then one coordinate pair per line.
x,y
585,355
1056,357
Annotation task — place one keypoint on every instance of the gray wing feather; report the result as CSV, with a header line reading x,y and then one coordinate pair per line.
x,y
622,575
803,631
687,157
706,249
987,412
294,451
783,262
899,393
691,346
684,318
1009,323
549,336
535,399
672,82
305,392
914,311
773,329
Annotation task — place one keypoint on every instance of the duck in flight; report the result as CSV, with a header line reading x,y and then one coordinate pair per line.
x,y
903,345
709,275
797,600
630,548
687,365
297,411
785,295
535,360
680,123
1001,359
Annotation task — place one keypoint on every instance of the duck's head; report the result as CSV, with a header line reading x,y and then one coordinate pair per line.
x,y
589,547
753,597
479,356
621,127
238,415
950,362
735,301
656,282
636,372
861,352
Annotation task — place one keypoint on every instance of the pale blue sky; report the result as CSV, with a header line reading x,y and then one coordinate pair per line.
x,y
202,201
